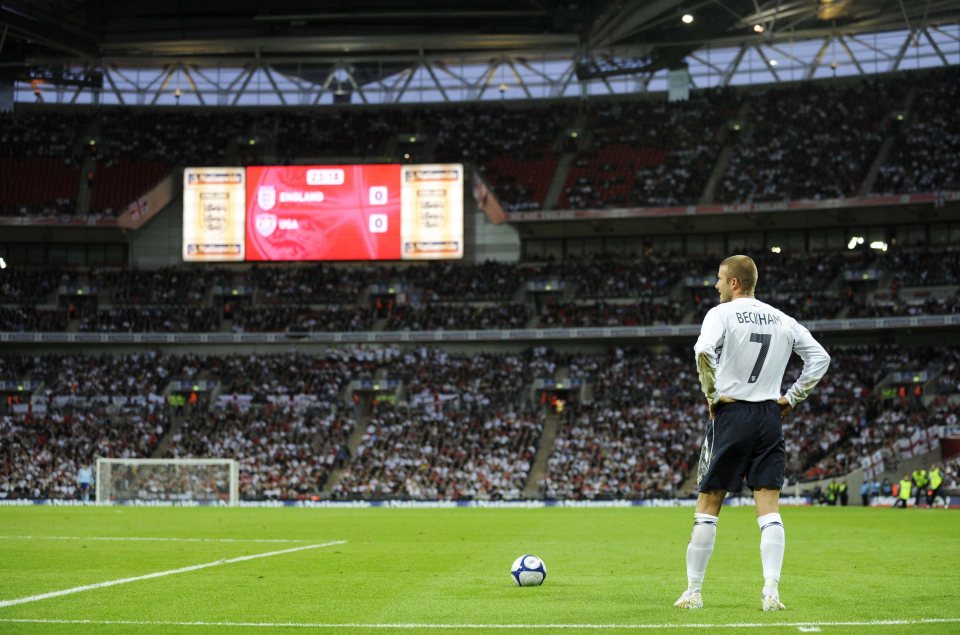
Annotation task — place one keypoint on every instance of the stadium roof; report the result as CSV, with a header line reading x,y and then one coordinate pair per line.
x,y
346,49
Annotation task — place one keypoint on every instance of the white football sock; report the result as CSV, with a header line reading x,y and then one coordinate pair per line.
x,y
699,549
772,543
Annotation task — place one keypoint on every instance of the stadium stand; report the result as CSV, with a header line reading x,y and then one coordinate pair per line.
x,y
459,425
464,426
925,157
811,141
600,291
283,453
648,153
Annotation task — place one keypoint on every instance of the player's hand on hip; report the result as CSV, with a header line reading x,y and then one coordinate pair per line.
x,y
785,406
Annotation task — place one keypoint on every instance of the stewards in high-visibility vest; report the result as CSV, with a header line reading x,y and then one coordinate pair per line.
x,y
920,481
904,494
936,482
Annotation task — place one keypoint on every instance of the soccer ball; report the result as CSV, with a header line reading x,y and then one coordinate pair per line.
x,y
528,570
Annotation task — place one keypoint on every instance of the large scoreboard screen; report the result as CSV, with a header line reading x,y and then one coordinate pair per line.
x,y
325,212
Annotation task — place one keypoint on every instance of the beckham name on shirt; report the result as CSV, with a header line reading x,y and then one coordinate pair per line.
x,y
763,319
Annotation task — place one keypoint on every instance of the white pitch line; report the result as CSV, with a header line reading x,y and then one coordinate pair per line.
x,y
160,574
435,626
154,539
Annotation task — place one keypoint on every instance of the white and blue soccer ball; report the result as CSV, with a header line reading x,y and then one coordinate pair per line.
x,y
528,570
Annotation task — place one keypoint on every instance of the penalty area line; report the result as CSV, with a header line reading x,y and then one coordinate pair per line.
x,y
454,627
160,574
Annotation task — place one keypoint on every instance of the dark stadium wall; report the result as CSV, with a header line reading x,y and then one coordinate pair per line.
x,y
157,243
486,241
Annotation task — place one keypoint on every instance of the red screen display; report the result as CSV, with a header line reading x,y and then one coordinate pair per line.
x,y
323,212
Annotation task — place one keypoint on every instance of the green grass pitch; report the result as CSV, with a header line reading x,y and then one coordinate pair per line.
x,y
447,571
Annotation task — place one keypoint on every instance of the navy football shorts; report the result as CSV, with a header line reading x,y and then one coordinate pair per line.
x,y
745,440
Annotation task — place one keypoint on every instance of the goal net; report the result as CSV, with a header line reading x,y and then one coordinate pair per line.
x,y
178,480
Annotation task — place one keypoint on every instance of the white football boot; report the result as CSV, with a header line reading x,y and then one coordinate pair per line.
x,y
772,603
690,600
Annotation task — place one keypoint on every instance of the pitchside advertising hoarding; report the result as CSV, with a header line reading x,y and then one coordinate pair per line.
x,y
323,212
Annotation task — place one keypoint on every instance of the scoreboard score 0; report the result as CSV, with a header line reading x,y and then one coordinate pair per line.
x,y
324,212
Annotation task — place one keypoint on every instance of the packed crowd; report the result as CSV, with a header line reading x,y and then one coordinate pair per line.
x,y
85,406
650,153
578,315
604,276
283,454
460,426
315,284
815,143
33,286
299,318
51,133
932,306
169,285
926,156
320,133
923,267
445,455
292,373
41,454
639,436
433,317
853,421
29,318
590,291
465,429
194,137
151,319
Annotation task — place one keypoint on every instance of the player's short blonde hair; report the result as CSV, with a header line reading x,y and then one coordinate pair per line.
x,y
744,269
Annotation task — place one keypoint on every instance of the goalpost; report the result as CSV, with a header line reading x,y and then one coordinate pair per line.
x,y
199,480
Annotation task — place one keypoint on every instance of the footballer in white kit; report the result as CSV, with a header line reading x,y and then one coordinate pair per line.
x,y
741,354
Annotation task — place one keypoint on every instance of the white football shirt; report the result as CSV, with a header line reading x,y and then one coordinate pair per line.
x,y
743,350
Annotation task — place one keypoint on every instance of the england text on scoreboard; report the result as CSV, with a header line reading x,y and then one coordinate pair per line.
x,y
327,212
